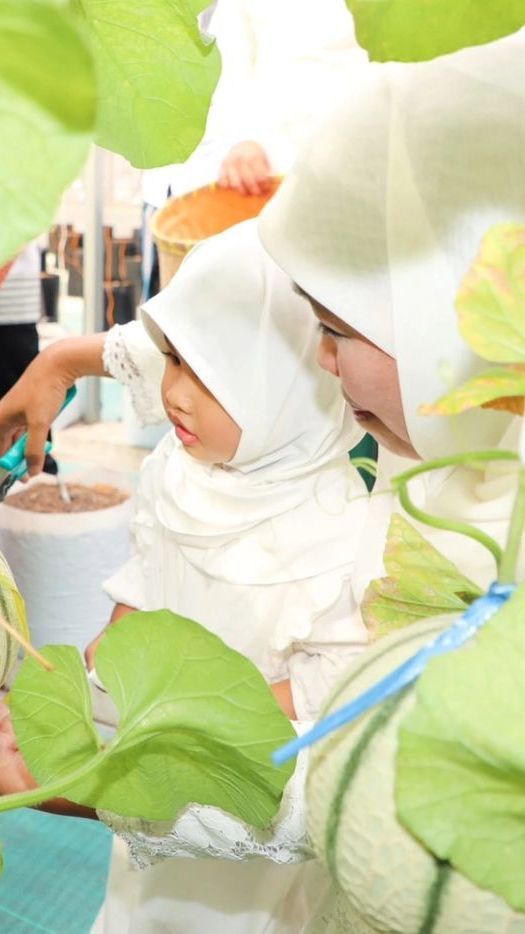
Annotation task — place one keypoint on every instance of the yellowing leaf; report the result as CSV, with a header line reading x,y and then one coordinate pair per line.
x,y
491,300
499,388
421,583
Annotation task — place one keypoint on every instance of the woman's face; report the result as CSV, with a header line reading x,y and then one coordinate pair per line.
x,y
369,380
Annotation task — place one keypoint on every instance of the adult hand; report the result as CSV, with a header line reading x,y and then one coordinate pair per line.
x,y
246,169
14,774
34,401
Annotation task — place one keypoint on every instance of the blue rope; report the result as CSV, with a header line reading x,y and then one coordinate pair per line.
x,y
456,635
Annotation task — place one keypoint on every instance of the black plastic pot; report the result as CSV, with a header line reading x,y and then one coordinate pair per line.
x,y
50,285
120,303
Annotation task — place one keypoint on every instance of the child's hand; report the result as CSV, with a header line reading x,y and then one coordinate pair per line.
x,y
89,652
14,774
121,609
246,168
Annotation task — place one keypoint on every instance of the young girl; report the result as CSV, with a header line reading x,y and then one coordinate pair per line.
x,y
248,520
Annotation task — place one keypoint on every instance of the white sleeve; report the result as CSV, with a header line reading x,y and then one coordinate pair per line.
x,y
127,584
315,664
231,118
131,357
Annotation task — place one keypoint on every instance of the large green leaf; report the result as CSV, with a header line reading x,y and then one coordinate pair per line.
x,y
47,87
491,300
155,77
416,30
504,384
461,760
421,583
198,723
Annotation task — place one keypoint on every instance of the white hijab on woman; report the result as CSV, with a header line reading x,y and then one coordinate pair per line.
x,y
381,217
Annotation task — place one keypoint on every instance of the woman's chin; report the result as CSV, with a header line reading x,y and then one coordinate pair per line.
x,y
387,439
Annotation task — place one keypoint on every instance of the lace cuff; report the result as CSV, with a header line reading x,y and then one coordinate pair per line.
x,y
204,831
131,358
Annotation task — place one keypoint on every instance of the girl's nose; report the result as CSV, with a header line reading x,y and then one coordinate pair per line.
x,y
175,388
327,355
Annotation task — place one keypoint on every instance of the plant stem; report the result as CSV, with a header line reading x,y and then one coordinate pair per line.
x,y
454,460
56,789
26,645
400,485
507,571
449,525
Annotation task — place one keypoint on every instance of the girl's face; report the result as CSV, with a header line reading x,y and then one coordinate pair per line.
x,y
207,432
369,380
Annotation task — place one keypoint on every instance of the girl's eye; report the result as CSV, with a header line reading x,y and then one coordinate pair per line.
x,y
324,329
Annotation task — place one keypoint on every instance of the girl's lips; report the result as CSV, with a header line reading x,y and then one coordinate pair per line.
x,y
187,437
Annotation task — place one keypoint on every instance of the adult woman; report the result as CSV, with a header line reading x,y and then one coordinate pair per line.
x,y
380,233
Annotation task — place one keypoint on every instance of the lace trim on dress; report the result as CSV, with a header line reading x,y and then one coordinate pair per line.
x,y
119,363
204,831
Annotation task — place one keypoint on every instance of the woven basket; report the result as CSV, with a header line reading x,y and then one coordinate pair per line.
x,y
184,221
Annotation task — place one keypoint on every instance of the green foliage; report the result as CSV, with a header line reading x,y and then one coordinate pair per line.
x,y
197,724
491,301
416,30
155,77
47,117
461,759
491,310
505,383
135,79
421,583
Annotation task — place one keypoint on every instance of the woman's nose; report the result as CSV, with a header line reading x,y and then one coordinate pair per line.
x,y
327,355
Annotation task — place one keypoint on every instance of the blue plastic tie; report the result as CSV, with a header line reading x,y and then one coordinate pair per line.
x,y
455,636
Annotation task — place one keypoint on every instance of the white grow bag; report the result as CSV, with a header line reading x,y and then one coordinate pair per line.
x,y
60,560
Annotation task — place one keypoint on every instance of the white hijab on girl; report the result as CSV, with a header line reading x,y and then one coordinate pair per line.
x,y
235,319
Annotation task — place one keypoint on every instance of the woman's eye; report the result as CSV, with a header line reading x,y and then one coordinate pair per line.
x,y
324,329
169,353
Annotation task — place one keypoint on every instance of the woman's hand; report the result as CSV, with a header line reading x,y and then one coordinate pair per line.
x,y
14,774
34,401
246,169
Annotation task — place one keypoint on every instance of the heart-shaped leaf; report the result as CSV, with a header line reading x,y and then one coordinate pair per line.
x,y
197,723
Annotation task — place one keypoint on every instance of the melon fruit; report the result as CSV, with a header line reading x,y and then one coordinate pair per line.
x,y
385,881
13,611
